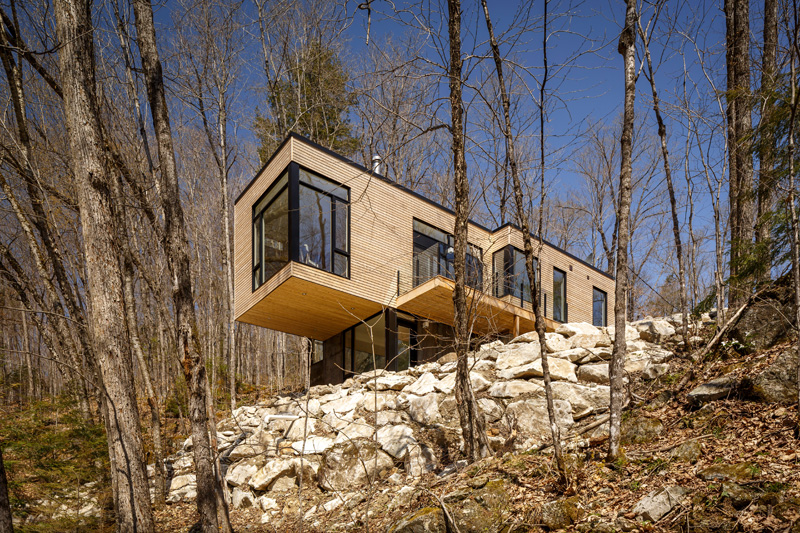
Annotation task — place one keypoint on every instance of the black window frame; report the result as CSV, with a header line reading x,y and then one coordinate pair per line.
x,y
565,318
271,190
596,290
444,263
293,185
502,284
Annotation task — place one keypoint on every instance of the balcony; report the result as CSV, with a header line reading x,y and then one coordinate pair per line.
x,y
433,299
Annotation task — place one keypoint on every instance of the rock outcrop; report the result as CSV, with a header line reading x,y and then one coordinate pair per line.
x,y
402,425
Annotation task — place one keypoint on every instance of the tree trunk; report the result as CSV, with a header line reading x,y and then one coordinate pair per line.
x,y
767,147
211,503
737,17
26,347
676,227
155,419
472,423
626,47
6,525
522,219
103,273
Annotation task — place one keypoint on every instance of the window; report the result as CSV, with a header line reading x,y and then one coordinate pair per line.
x,y
316,351
599,307
559,295
302,217
434,256
323,225
511,275
271,232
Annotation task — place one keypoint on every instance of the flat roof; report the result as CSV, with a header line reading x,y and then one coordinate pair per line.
x,y
362,168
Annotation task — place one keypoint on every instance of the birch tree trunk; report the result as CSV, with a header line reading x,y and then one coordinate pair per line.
x,y
522,218
627,48
676,227
211,503
103,273
472,424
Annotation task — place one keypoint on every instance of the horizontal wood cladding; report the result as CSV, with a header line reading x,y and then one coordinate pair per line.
x,y
381,245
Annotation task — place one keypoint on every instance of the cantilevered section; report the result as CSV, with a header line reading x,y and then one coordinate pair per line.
x,y
295,304
434,300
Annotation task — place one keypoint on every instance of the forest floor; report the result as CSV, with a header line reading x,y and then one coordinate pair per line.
x,y
50,451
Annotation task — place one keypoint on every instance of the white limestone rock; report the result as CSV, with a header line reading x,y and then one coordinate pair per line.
x,y
582,340
560,369
556,342
575,328
530,417
356,430
396,440
572,355
312,445
378,401
492,411
512,389
594,373
424,409
343,405
240,473
300,427
584,399
520,354
425,384
530,336
242,499
631,333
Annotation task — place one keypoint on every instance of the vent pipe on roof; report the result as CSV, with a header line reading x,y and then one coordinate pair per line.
x,y
377,165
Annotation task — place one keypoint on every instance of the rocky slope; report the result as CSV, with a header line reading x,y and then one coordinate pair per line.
x,y
339,442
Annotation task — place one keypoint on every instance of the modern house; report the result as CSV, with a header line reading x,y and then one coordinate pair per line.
x,y
330,250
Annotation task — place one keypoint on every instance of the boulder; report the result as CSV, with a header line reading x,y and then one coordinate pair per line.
x,y
532,421
595,373
182,488
655,330
631,333
355,430
560,369
378,401
245,450
426,520
640,429
562,513
659,502
556,342
518,355
301,427
491,409
396,440
654,371
424,409
574,328
240,473
766,321
512,389
573,355
420,460
716,389
530,336
727,472
778,382
582,340
739,496
390,381
424,385
687,452
312,445
284,471
585,400
351,464
344,404
242,499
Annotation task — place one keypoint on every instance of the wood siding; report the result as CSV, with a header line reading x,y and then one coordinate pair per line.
x,y
381,245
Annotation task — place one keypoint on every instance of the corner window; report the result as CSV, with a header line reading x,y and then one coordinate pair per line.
x,y
271,231
302,217
511,274
434,256
323,224
599,307
559,295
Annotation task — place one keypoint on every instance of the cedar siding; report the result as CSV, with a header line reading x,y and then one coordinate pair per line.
x,y
304,300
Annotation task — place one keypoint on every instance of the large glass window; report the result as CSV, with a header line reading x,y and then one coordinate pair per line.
x,y
511,275
323,224
559,295
369,338
271,232
434,256
599,307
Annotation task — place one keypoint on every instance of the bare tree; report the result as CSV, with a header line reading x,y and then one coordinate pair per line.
x,y
662,134
99,219
627,48
522,218
211,502
6,525
472,423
